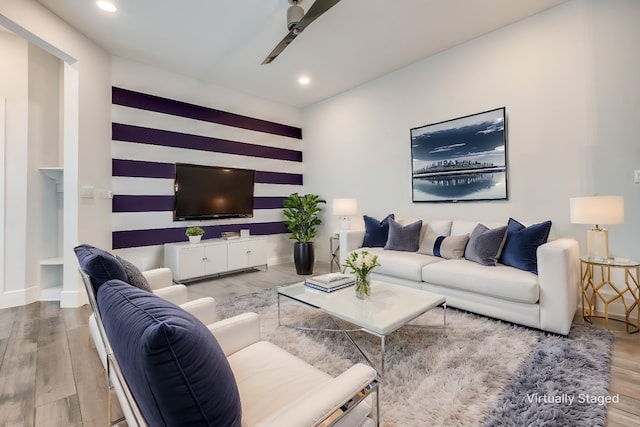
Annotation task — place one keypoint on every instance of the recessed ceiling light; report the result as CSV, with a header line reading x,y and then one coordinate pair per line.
x,y
304,80
106,5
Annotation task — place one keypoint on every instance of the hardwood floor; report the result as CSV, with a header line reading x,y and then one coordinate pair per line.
x,y
43,367
625,381
51,376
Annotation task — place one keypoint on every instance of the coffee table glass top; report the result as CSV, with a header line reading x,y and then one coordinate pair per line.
x,y
387,309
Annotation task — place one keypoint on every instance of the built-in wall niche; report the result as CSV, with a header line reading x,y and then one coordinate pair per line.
x,y
52,262
45,175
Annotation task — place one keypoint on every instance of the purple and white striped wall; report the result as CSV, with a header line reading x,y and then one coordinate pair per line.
x,y
150,134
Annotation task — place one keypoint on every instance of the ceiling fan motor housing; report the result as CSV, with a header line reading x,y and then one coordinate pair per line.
x,y
297,21
294,14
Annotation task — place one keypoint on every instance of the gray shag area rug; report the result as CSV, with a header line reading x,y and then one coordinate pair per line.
x,y
484,372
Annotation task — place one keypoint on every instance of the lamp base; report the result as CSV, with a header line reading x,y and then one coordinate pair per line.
x,y
345,223
598,243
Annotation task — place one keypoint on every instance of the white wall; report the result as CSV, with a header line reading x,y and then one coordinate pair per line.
x,y
614,37
14,87
568,80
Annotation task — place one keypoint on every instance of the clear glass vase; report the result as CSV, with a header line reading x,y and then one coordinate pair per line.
x,y
363,286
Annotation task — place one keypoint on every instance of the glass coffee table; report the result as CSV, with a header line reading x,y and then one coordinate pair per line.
x,y
389,308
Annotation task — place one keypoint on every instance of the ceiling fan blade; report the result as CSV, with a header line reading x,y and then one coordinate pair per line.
x,y
314,12
280,47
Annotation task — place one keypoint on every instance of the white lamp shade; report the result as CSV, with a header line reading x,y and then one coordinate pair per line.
x,y
345,207
597,210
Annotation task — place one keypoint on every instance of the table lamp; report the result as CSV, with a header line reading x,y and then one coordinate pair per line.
x,y
597,210
344,208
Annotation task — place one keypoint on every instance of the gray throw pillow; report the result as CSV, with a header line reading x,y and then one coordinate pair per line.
x,y
135,276
403,238
448,247
485,244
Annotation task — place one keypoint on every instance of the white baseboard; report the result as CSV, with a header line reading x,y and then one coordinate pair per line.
x,y
279,260
27,296
20,297
71,299
289,260
616,311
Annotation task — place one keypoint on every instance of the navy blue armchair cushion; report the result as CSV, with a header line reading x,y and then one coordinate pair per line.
x,y
100,265
175,368
520,248
376,232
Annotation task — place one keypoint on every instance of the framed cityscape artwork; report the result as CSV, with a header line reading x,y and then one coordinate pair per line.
x,y
462,159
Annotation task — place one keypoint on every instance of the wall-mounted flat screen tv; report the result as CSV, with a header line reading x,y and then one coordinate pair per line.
x,y
212,192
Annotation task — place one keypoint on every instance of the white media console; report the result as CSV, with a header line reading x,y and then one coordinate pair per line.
x,y
189,261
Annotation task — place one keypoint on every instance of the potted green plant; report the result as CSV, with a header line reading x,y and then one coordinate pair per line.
x,y
302,213
194,234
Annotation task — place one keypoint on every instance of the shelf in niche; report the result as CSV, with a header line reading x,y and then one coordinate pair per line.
x,y
56,174
51,294
52,261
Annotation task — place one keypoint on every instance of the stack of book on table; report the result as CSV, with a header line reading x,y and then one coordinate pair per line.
x,y
330,282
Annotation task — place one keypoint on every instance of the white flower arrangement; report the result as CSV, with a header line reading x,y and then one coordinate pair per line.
x,y
362,262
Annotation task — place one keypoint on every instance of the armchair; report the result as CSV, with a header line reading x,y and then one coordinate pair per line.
x,y
167,368
282,390
204,309
230,373
97,266
161,283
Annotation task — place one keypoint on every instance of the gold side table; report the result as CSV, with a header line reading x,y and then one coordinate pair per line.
x,y
334,252
594,287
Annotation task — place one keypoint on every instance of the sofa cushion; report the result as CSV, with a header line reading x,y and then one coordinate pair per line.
x,y
376,232
134,275
459,227
403,238
100,265
485,244
277,380
173,365
522,244
439,227
406,265
449,247
501,281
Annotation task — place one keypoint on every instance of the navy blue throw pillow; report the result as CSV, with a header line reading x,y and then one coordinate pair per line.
x,y
520,248
376,232
175,368
100,265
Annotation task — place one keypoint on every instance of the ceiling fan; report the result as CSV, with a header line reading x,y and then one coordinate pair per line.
x,y
297,21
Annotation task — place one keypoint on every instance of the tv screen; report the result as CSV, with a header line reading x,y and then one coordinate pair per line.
x,y
210,192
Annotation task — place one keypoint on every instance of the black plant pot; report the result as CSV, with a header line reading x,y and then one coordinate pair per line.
x,y
303,257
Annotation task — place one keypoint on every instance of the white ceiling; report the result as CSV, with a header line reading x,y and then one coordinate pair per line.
x,y
224,41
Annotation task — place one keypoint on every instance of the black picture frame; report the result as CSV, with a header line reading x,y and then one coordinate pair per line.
x,y
462,159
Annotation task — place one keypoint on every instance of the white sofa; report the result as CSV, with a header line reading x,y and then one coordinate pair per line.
x,y
547,301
